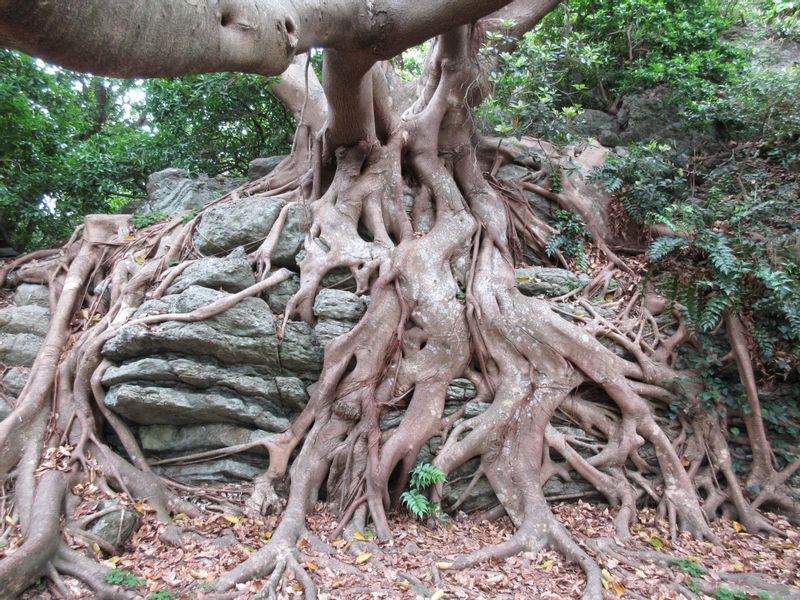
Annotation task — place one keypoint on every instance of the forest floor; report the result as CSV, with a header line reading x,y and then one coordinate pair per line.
x,y
414,564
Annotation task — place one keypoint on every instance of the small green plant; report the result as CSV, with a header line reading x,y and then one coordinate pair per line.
x,y
123,578
191,214
570,239
161,595
146,219
422,476
690,567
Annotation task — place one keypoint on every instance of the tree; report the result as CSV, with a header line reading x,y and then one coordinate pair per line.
x,y
444,300
78,144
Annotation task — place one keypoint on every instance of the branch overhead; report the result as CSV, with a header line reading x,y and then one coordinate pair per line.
x,y
162,38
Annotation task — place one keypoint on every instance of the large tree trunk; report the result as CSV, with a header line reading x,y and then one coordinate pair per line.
x,y
444,301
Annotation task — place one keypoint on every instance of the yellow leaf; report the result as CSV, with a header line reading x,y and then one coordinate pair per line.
x,y
96,549
84,313
232,519
130,237
297,586
737,566
738,526
114,560
359,536
10,521
362,558
266,535
311,565
437,595
179,517
139,259
618,587
605,583
640,574
656,542
443,565
523,279
139,506
402,584
547,564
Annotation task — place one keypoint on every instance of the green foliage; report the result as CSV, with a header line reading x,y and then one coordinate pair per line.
x,y
590,52
74,144
646,181
142,220
217,123
422,476
123,578
161,595
570,238
690,567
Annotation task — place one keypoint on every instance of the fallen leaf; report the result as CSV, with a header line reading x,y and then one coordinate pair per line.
x,y
437,595
234,520
364,557
443,565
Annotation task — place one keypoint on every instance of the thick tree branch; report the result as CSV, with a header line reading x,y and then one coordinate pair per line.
x,y
161,38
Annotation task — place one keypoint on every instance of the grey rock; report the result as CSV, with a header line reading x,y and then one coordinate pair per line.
x,y
247,222
329,329
300,354
259,167
25,319
201,373
511,171
340,305
5,409
292,236
14,380
542,207
474,408
411,548
609,139
216,471
291,392
20,349
460,390
6,252
339,279
172,190
28,293
280,295
117,526
547,282
175,439
652,115
231,273
244,333
593,123
150,405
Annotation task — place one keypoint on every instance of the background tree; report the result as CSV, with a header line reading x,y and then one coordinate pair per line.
x,y
444,301
77,144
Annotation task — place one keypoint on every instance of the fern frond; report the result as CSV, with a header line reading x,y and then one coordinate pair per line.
x,y
664,246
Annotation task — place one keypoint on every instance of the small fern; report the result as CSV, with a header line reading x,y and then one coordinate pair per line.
x,y
422,476
664,246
